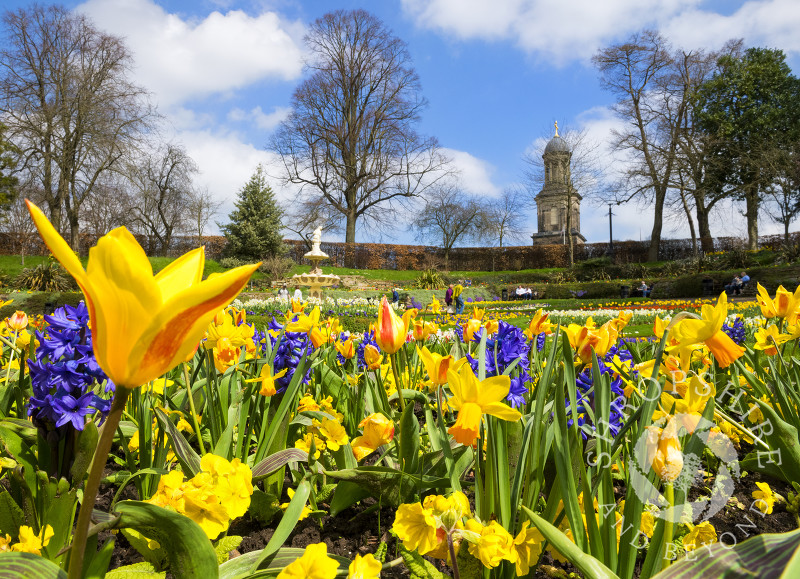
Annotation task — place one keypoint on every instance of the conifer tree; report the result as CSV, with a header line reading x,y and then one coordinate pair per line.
x,y
254,231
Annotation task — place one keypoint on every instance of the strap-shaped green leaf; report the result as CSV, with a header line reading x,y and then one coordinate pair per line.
x,y
189,459
275,461
28,566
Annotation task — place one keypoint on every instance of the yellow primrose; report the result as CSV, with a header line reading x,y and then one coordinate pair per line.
x,y
367,567
314,564
765,498
142,325
305,444
699,535
473,399
32,543
494,546
334,433
416,527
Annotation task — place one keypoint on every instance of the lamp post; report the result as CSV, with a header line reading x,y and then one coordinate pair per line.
x,y
610,232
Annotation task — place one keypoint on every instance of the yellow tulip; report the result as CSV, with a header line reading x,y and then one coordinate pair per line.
x,y
142,325
435,364
664,451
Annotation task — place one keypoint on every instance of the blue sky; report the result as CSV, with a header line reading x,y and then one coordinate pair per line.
x,y
496,73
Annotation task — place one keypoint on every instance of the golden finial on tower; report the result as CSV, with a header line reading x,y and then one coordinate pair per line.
x,y
556,128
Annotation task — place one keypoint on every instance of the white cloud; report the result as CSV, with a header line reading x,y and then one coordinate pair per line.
x,y
265,121
475,174
567,30
180,59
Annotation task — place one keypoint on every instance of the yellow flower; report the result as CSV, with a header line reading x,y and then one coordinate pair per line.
x,y
372,357
692,405
32,543
267,379
708,330
346,349
305,444
390,335
767,339
334,433
659,326
5,542
142,325
471,327
233,483
495,544
702,534
473,399
367,567
586,339
314,564
436,365
664,450
783,306
477,313
435,306
528,546
303,514
491,326
378,430
538,325
416,527
765,498
19,321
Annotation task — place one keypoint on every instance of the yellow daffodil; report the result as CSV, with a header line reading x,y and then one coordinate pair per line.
x,y
768,339
142,325
692,404
473,399
708,330
267,379
699,535
303,322
367,567
435,306
390,335
664,450
783,306
765,498
314,564
435,364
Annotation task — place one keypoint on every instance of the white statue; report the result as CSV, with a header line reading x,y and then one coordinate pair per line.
x,y
316,239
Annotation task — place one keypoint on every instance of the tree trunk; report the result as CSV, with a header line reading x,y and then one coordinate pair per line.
x,y
703,226
74,234
752,201
692,231
350,240
658,219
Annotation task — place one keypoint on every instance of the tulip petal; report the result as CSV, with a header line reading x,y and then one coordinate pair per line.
x,y
184,271
181,322
60,248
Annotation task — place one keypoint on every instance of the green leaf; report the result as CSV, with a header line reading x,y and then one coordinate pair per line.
x,y
287,524
87,443
28,566
143,570
275,461
263,506
190,553
385,482
765,555
409,441
347,494
225,545
588,565
418,566
11,515
189,459
240,566
98,565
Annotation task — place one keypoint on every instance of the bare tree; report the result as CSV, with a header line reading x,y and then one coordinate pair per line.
x,y
503,218
162,195
449,216
200,209
304,216
350,137
653,96
16,222
68,104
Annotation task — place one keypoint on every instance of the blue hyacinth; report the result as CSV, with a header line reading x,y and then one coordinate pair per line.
x,y
735,330
291,349
586,395
65,372
502,349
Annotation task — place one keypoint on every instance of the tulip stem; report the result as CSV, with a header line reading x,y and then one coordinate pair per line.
x,y
669,493
398,384
93,482
453,560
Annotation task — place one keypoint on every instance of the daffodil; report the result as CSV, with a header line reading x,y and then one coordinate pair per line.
x,y
142,325
528,546
494,546
314,564
691,405
435,306
768,339
267,379
390,334
708,330
783,306
473,399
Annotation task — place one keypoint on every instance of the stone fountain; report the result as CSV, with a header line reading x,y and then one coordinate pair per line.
x,y
315,280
